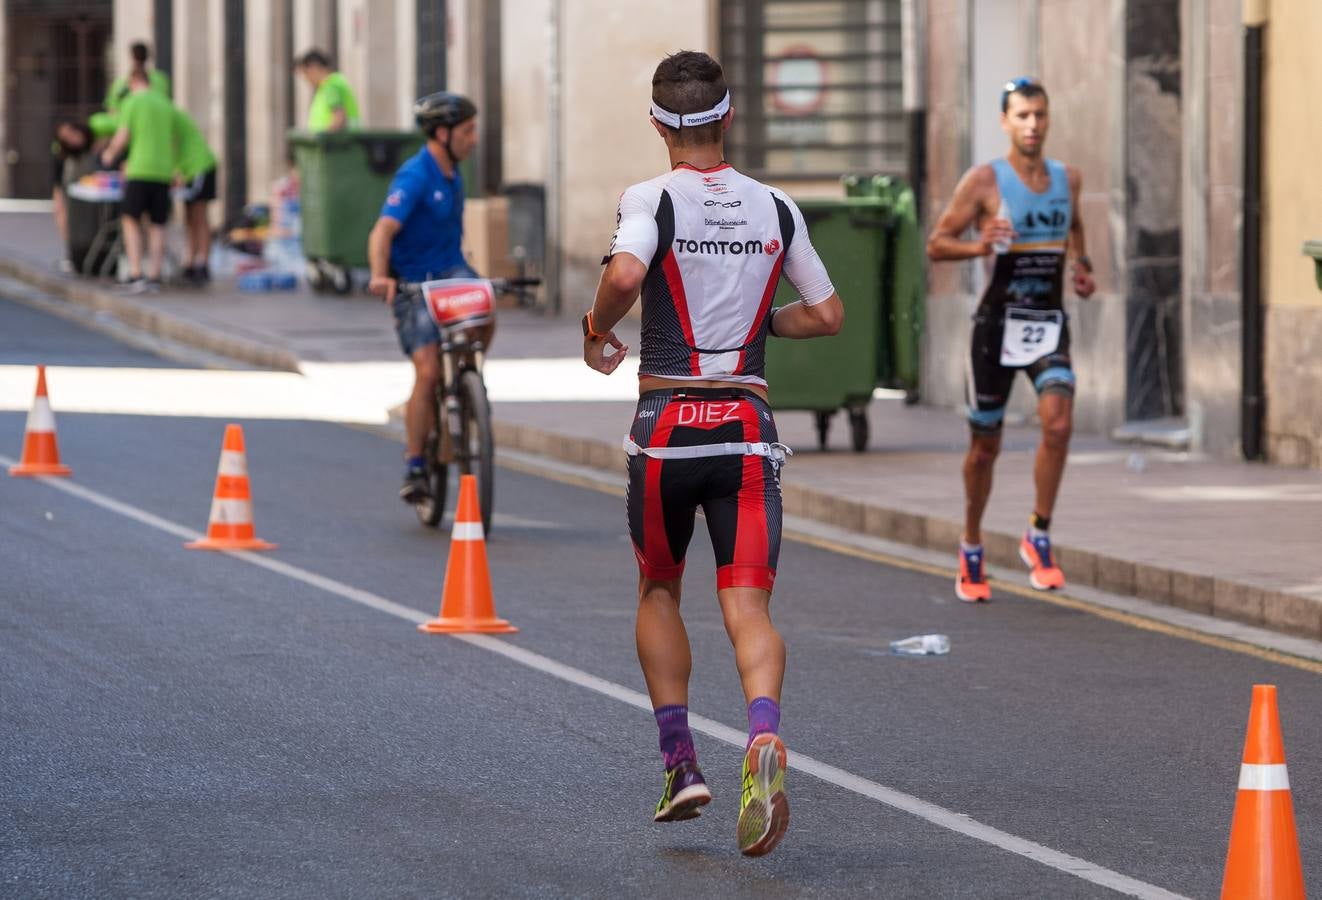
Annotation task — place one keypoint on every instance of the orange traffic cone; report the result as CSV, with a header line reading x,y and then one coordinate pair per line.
x,y
1263,862
466,602
41,454
230,525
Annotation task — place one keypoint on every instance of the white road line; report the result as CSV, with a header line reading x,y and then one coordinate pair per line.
x,y
930,812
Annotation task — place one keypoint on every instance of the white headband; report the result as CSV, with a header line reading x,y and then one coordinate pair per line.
x,y
675,120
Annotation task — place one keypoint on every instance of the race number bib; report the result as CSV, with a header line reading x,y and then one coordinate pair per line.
x,y
1030,334
457,302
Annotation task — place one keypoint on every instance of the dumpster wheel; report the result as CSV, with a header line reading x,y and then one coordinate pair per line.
x,y
340,279
823,420
858,429
316,278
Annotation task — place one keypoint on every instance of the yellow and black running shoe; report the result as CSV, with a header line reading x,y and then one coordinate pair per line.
x,y
764,813
685,794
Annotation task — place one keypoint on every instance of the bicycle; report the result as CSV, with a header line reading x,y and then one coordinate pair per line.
x,y
461,433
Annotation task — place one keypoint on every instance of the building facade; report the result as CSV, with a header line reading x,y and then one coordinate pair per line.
x,y
1148,100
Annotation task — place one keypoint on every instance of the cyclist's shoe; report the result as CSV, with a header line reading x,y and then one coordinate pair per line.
x,y
684,795
415,488
971,583
1043,573
764,813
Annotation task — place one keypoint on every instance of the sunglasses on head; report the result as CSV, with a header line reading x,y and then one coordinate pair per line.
x,y
1015,85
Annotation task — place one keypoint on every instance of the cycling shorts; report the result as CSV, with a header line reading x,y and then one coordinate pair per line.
x,y
739,495
990,382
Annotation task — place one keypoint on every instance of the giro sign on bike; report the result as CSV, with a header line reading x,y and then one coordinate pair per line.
x,y
459,302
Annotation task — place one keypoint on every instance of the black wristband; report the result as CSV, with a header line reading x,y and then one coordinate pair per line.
x,y
771,321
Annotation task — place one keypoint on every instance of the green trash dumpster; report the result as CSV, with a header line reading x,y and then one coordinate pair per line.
x,y
1314,249
825,375
904,298
343,179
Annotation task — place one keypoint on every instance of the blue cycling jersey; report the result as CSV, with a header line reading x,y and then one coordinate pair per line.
x,y
430,209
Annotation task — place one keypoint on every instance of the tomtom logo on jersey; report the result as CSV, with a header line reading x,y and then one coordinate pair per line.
x,y
720,248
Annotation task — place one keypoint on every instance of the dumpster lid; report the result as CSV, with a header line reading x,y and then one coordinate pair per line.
x,y
322,138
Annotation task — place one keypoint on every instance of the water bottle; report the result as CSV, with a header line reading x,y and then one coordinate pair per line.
x,y
1002,212
255,282
922,645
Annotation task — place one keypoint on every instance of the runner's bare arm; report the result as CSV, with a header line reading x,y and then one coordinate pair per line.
x,y
799,320
617,291
1077,247
818,312
378,257
973,205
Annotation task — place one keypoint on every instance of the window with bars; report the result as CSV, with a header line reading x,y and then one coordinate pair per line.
x,y
816,86
431,46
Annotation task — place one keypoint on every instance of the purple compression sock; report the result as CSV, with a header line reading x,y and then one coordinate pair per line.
x,y
763,716
676,739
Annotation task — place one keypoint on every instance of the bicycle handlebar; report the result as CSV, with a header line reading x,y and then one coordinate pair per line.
x,y
499,285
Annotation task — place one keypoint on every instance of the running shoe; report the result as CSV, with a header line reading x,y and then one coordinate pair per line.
x,y
764,813
415,488
971,584
1043,573
684,795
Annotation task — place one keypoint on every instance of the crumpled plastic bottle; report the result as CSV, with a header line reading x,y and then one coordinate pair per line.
x,y
922,645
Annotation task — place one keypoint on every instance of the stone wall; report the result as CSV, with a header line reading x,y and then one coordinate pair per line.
x,y
1292,215
1213,73
609,53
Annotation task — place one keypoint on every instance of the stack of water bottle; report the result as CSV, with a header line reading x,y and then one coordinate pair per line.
x,y
282,252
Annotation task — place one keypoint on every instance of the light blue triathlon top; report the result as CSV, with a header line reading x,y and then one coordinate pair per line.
x,y
1031,272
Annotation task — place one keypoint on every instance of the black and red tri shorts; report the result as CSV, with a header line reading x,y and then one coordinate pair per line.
x,y
739,495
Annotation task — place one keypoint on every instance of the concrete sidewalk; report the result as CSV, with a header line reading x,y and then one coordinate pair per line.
x,y
1228,539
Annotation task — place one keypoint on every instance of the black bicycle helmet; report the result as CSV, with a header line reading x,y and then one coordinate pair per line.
x,y
442,110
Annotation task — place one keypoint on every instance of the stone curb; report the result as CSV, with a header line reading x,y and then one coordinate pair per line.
x,y
1288,613
142,317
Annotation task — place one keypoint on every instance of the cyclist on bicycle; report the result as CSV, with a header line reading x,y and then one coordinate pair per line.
x,y
417,238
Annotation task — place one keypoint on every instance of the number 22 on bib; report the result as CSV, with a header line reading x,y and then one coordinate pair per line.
x,y
1030,334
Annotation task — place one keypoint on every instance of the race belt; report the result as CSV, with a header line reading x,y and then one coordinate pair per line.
x,y
774,451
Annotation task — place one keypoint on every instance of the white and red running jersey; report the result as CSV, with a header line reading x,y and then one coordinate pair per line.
x,y
715,243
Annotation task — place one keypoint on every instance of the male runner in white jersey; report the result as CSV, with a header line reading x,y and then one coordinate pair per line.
x,y
706,246
1025,208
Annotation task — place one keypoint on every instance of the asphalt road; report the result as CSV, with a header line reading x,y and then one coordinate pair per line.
x,y
178,723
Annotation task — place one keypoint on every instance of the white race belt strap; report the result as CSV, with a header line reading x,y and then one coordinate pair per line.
x,y
776,452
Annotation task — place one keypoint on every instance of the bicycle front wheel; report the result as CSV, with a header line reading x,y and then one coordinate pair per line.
x,y
477,454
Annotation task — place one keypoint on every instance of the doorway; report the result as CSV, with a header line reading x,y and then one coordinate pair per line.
x,y
1154,383
57,70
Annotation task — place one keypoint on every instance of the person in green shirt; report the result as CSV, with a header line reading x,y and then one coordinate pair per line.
x,y
147,129
119,90
334,107
195,167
